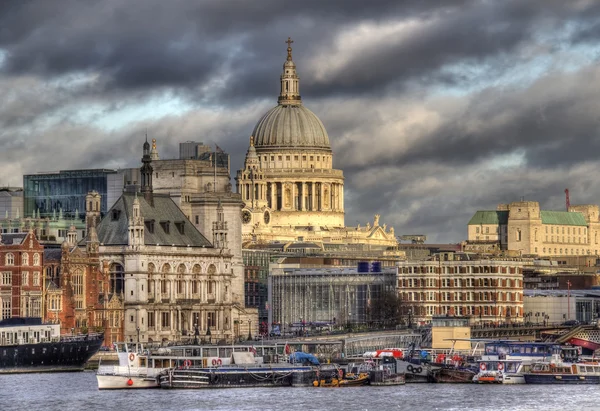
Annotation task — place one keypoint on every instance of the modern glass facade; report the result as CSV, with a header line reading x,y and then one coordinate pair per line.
x,y
66,190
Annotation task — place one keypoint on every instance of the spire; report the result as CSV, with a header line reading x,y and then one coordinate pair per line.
x,y
289,93
146,173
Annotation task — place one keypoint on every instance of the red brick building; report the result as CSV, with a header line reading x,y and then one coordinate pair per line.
x,y
76,287
21,276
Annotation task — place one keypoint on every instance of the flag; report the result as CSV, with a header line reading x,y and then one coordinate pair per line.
x,y
219,149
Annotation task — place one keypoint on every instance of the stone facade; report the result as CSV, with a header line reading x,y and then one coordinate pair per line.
x,y
172,279
521,228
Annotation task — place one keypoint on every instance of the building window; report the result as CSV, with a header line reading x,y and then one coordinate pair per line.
x,y
36,259
6,278
9,259
6,309
150,319
197,220
165,319
25,259
25,278
211,319
477,230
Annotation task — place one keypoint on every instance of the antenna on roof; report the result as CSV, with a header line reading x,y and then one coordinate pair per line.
x,y
568,202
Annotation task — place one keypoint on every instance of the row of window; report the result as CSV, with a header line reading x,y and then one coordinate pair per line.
x,y
458,296
472,310
576,240
460,282
576,230
474,269
9,259
296,158
25,278
164,318
566,251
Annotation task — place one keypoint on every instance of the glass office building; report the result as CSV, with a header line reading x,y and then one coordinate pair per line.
x,y
49,193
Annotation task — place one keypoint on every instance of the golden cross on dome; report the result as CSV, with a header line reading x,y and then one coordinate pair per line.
x,y
289,49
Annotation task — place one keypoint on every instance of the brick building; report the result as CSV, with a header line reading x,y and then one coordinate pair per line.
x,y
21,261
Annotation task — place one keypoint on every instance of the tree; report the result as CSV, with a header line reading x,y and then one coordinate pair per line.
x,y
386,310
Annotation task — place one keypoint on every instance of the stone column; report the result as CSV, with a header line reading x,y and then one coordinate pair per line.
x,y
322,191
313,197
341,197
274,196
303,202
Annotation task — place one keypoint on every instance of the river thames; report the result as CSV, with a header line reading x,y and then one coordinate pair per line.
x,y
79,391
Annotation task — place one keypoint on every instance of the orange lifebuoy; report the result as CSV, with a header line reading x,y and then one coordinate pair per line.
x,y
482,366
131,357
187,363
214,361
219,362
500,366
130,382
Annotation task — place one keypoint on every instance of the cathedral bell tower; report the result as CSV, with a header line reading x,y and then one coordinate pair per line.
x,y
251,181
290,82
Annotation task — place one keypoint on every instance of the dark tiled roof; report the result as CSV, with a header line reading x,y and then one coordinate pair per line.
x,y
52,254
13,238
113,229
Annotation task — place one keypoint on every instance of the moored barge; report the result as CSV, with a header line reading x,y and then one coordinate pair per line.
x,y
27,345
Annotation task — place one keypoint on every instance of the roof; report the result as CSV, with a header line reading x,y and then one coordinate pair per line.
x,y
13,238
52,254
489,217
563,218
291,126
114,227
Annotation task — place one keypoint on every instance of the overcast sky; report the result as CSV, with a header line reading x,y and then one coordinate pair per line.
x,y
434,109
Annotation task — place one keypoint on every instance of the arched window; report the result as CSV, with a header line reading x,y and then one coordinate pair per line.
x,y
25,259
36,259
181,269
166,268
212,269
196,269
116,279
151,268
10,259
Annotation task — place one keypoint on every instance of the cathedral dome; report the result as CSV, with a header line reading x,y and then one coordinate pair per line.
x,y
290,126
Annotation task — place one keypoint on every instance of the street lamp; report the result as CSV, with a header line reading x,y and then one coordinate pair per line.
x,y
249,330
196,333
138,333
208,334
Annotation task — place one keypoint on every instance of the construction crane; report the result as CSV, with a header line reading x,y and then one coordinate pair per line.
x,y
567,198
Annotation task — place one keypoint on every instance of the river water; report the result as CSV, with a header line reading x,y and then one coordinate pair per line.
x,y
79,391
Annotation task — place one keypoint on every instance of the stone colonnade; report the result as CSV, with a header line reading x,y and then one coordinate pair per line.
x,y
296,195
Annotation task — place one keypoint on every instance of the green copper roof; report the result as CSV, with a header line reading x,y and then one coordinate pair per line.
x,y
489,217
563,218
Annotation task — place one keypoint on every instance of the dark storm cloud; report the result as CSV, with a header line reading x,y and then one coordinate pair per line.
x,y
419,160
153,43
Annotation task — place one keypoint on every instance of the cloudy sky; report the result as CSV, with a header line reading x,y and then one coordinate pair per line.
x,y
434,109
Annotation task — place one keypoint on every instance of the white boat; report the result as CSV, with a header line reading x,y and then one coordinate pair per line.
x,y
506,362
139,366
